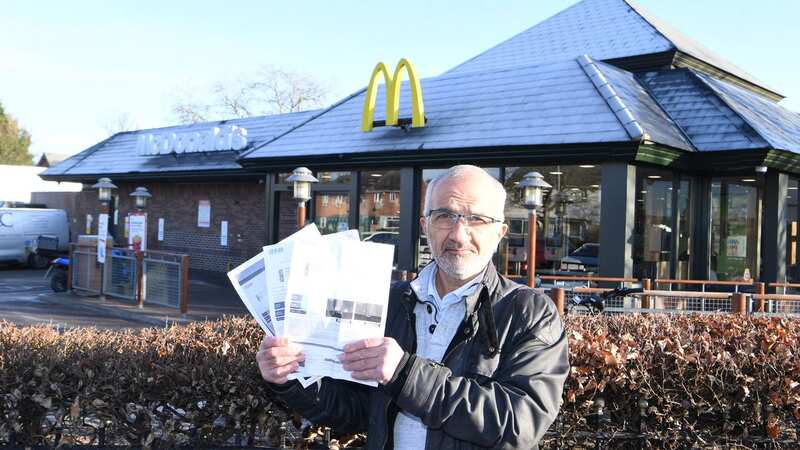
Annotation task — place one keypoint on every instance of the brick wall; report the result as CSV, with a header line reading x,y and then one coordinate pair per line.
x,y
241,203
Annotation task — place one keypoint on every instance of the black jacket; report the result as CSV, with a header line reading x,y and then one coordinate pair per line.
x,y
499,384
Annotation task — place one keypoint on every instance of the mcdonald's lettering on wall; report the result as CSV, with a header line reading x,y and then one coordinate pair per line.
x,y
392,83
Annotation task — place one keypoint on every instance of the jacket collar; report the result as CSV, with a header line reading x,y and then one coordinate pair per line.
x,y
489,283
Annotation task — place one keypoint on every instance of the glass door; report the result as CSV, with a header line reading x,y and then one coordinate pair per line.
x,y
735,229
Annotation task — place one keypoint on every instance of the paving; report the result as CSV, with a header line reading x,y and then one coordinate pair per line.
x,y
26,299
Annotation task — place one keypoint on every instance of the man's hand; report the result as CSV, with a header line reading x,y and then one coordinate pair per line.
x,y
372,359
277,358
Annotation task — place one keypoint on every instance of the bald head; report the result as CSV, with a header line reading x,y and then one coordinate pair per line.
x,y
478,179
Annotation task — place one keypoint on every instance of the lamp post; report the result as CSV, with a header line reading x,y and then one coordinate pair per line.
x,y
104,187
302,179
141,194
531,187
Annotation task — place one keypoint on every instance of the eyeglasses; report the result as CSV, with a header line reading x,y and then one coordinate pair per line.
x,y
444,219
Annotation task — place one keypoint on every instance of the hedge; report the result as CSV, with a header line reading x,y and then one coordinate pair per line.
x,y
636,381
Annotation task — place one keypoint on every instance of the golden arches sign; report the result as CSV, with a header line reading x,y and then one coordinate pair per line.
x,y
393,96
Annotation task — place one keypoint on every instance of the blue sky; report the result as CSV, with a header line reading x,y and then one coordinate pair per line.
x,y
67,68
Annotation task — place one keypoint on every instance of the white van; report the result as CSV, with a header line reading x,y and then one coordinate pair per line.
x,y
21,227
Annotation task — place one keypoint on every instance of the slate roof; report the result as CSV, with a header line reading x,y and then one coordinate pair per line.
x,y
717,115
776,124
604,29
118,155
547,104
654,123
701,114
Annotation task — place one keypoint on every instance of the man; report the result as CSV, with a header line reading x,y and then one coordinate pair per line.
x,y
470,359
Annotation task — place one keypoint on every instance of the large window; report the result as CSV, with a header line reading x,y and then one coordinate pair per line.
x,y
654,226
684,233
334,177
735,228
792,266
331,211
662,225
329,207
568,225
379,218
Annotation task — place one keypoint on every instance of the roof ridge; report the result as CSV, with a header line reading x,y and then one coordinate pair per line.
x,y
694,48
621,111
638,10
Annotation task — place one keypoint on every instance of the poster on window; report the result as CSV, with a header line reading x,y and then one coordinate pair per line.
x,y
223,235
160,228
736,246
204,214
137,231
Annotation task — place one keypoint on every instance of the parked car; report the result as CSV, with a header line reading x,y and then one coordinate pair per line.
x,y
583,259
20,229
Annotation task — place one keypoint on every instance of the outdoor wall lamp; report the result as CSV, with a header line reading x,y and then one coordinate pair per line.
x,y
531,187
141,194
104,187
302,178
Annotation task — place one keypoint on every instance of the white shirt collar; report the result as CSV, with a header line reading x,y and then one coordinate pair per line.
x,y
425,286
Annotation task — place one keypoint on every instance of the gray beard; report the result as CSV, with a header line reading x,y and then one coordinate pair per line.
x,y
462,268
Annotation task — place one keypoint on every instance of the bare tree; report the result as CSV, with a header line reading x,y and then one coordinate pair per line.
x,y
270,90
118,123
288,91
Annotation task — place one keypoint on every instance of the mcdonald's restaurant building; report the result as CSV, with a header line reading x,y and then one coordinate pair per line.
x,y
665,160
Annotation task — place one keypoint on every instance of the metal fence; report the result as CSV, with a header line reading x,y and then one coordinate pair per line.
x,y
570,293
86,272
687,302
152,276
165,279
121,277
651,301
787,305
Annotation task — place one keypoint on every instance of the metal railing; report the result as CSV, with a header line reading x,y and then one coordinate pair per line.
x,y
150,276
779,304
121,277
657,301
703,283
165,279
85,273
670,301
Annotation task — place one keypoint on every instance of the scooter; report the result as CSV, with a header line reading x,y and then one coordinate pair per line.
x,y
57,272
